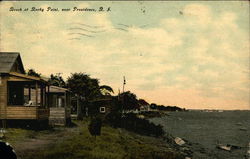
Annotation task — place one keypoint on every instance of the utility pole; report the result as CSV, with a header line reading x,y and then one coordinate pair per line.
x,y
123,86
124,82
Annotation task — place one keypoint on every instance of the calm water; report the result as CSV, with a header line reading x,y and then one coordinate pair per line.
x,y
206,129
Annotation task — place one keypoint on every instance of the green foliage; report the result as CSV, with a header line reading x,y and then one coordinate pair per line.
x,y
95,126
32,72
114,119
81,84
106,90
166,108
143,102
132,123
57,80
88,90
153,106
129,100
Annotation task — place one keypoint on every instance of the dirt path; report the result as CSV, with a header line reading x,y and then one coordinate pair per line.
x,y
42,140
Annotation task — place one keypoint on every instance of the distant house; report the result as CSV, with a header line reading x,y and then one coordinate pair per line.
x,y
22,97
60,105
102,105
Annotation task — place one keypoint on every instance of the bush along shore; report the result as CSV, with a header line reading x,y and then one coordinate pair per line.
x,y
139,123
133,123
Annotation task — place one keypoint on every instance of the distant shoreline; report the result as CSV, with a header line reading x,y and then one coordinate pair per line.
x,y
218,110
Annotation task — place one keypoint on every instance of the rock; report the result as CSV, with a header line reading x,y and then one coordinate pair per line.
x,y
243,129
239,123
228,147
224,147
248,152
179,141
234,146
187,151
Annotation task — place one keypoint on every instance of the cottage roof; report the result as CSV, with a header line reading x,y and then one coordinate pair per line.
x,y
55,89
8,60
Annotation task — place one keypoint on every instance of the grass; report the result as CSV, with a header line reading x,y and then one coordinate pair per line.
x,y
77,143
15,135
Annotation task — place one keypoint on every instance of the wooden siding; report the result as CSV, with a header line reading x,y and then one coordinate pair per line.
x,y
42,113
16,67
57,116
3,96
22,112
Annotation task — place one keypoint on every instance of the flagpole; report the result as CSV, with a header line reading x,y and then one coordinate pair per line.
x,y
124,82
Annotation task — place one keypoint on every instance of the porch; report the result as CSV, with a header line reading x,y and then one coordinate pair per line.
x,y
59,104
25,98
26,112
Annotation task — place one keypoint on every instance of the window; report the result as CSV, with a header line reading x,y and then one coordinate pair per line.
x,y
102,110
25,94
15,94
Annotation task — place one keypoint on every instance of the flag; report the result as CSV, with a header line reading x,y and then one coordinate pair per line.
x,y
124,80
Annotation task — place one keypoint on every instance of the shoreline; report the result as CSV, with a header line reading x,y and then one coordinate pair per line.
x,y
205,132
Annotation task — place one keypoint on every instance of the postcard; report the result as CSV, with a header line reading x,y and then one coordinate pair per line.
x,y
179,69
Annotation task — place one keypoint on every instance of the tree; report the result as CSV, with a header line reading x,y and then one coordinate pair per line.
x,y
84,86
143,102
57,80
84,89
153,106
87,89
32,72
129,100
106,90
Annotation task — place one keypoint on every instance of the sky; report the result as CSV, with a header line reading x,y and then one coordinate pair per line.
x,y
192,54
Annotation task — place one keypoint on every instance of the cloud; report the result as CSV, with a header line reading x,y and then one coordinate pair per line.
x,y
197,56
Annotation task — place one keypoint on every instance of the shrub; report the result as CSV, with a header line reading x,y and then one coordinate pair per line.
x,y
114,119
95,126
132,123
